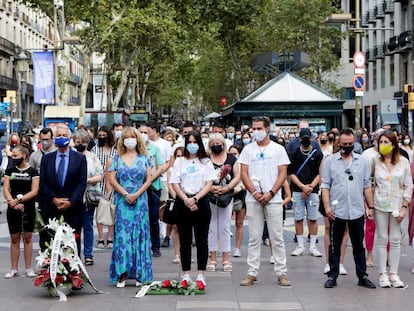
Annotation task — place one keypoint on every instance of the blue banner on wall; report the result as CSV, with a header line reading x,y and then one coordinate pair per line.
x,y
44,78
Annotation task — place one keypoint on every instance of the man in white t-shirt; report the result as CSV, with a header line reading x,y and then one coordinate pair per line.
x,y
263,172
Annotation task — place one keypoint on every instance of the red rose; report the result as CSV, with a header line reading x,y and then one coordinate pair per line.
x,y
76,280
59,279
166,284
184,284
200,285
37,281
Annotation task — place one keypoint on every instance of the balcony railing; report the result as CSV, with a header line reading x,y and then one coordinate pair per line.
x,y
371,17
7,46
388,6
379,11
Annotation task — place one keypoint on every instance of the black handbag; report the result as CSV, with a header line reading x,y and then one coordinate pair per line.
x,y
170,215
92,197
222,200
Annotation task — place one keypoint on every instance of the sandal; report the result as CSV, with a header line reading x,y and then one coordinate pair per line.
x,y
227,267
211,267
109,243
100,244
88,261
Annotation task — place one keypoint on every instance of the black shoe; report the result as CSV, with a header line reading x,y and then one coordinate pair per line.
x,y
156,252
330,283
365,282
166,242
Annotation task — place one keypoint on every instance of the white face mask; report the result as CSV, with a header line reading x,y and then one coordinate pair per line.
x,y
259,135
118,134
144,137
406,141
130,143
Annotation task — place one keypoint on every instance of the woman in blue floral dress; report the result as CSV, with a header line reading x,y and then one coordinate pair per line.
x,y
130,175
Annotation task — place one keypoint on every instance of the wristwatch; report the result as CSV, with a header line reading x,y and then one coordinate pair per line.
x,y
195,199
272,193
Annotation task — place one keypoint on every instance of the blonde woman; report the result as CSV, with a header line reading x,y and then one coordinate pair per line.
x,y
129,174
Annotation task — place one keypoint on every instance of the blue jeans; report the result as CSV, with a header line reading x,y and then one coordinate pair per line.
x,y
87,214
154,209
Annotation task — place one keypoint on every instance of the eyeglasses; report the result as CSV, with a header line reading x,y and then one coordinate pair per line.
x,y
350,177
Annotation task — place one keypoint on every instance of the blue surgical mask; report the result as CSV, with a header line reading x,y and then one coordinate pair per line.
x,y
238,136
246,141
192,148
61,142
230,135
118,134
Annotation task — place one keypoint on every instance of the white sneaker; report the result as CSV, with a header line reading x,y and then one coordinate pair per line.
x,y
186,277
384,280
314,252
272,259
298,251
342,270
326,269
30,273
237,252
201,278
395,281
266,242
11,274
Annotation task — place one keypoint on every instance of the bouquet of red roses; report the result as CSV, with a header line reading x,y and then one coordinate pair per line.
x,y
172,287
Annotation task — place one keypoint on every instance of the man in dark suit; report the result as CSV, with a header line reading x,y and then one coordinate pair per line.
x,y
63,175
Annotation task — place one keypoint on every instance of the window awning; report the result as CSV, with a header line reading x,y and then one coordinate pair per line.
x,y
389,118
72,112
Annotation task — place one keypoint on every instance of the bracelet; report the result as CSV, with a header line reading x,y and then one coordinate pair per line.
x,y
254,192
370,207
125,195
272,193
195,199
405,206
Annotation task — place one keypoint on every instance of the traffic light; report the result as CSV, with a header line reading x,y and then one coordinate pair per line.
x,y
409,96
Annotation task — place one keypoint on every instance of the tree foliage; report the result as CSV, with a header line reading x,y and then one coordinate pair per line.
x,y
170,49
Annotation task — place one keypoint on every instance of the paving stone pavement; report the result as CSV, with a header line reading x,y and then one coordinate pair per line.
x,y
223,290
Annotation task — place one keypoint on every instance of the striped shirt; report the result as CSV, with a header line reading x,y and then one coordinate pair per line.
x,y
103,157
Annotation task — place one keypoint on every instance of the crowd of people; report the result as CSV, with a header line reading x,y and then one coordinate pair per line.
x,y
361,183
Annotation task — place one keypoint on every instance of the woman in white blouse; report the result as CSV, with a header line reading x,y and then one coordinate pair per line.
x,y
393,191
192,176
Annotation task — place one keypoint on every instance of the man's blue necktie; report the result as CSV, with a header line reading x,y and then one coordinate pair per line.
x,y
61,170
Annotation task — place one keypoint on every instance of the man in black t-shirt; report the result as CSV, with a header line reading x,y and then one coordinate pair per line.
x,y
304,175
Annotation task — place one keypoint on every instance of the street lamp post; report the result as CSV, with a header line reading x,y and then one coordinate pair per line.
x,y
23,66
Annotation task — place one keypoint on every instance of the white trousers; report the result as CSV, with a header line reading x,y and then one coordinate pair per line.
x,y
219,231
384,221
256,215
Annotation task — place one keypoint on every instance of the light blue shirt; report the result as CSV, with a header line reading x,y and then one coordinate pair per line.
x,y
346,184
59,158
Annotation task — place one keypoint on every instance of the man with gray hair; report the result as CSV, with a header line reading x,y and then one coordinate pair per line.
x,y
63,175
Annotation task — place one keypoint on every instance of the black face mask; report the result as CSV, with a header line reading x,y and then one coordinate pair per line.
x,y
102,141
17,162
216,149
323,141
80,147
346,149
331,139
305,143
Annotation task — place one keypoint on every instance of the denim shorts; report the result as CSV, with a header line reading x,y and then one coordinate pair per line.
x,y
311,204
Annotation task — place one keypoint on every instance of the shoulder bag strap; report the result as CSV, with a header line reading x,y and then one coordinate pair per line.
x,y
304,162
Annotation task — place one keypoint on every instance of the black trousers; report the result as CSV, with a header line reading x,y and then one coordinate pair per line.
x,y
199,221
356,233
154,210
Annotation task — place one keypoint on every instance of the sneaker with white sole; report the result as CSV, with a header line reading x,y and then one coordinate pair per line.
x,y
396,281
298,251
30,273
326,269
11,274
186,277
237,252
314,252
384,280
272,259
248,280
342,270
